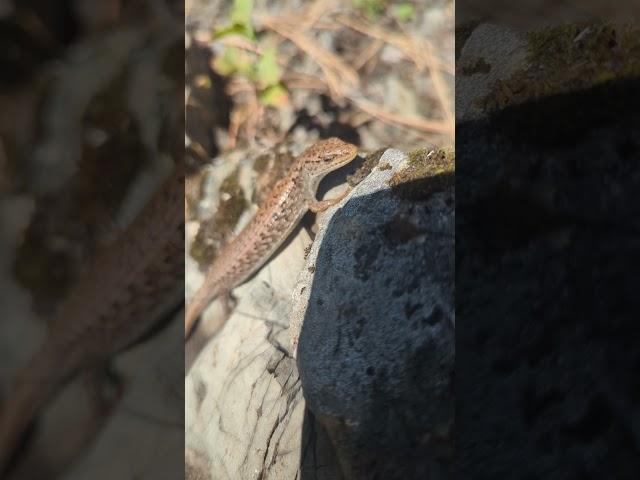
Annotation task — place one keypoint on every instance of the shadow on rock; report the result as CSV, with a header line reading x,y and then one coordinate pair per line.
x,y
376,349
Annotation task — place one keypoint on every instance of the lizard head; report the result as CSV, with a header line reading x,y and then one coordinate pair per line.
x,y
327,155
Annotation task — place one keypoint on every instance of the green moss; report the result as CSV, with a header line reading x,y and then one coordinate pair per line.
x,y
477,65
400,231
569,58
370,162
372,9
214,232
261,163
232,208
427,172
270,167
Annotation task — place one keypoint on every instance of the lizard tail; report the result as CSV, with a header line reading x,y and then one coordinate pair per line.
x,y
195,307
34,387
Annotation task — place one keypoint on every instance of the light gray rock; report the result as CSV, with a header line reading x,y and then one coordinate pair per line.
x,y
244,410
373,322
502,50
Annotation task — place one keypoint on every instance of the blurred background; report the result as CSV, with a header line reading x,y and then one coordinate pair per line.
x,y
91,121
375,72
546,239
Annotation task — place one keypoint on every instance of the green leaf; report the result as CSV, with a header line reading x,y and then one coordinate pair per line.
x,y
233,30
372,9
226,64
233,60
241,24
241,11
267,70
245,63
274,96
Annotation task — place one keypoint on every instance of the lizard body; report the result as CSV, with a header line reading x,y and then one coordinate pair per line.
x,y
124,292
276,217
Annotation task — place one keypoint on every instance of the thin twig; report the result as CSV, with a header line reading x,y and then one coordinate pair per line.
x,y
369,52
414,122
339,75
410,47
418,50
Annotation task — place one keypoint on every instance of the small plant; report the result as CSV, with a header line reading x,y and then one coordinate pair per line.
x,y
240,17
261,69
372,9
403,12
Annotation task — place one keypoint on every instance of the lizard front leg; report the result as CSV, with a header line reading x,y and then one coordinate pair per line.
x,y
321,205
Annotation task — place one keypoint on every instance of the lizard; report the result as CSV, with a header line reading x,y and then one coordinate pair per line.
x,y
125,291
277,216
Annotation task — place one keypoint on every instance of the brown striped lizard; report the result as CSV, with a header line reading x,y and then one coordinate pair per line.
x,y
129,287
276,217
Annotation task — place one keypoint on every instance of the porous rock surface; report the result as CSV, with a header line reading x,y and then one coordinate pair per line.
x,y
374,313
